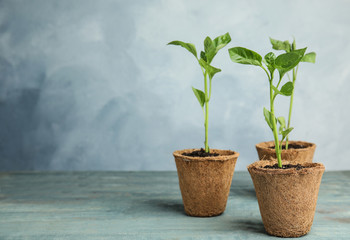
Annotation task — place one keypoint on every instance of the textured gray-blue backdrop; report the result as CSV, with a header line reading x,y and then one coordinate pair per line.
x,y
91,85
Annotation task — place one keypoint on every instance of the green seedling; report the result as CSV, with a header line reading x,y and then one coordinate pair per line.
x,y
283,63
211,48
308,57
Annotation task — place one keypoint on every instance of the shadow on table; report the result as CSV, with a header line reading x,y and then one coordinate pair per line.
x,y
242,192
255,226
167,205
242,187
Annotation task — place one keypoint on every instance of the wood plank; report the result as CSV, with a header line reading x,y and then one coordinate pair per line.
x,y
145,205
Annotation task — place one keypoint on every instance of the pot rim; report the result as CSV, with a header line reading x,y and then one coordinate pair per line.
x,y
266,146
228,154
256,168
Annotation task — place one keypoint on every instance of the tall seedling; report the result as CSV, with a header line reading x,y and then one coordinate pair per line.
x,y
211,47
283,63
309,57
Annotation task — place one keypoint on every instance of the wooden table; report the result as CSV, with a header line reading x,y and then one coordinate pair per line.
x,y
145,205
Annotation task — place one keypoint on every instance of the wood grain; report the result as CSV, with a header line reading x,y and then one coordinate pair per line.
x,y
145,205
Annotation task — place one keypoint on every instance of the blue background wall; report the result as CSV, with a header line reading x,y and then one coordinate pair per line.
x,y
91,85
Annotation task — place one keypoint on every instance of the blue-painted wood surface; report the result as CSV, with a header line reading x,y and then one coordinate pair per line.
x,y
145,205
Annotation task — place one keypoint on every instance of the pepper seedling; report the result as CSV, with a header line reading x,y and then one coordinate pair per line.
x,y
308,57
283,63
211,48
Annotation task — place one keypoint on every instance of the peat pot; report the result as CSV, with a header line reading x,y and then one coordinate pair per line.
x,y
205,181
297,152
287,197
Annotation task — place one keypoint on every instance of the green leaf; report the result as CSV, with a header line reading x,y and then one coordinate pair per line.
x,y
279,45
286,132
276,90
270,61
208,44
203,56
287,61
282,123
300,51
244,56
212,47
271,69
294,45
309,57
210,69
200,96
269,118
189,46
221,41
287,89
270,58
209,49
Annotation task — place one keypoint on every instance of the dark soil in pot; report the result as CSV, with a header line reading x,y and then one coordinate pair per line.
x,y
205,181
286,166
200,153
287,197
290,146
297,152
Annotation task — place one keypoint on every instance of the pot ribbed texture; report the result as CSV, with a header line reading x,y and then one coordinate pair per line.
x,y
287,197
205,181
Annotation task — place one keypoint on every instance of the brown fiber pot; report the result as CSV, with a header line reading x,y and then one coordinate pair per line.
x,y
301,155
205,181
287,197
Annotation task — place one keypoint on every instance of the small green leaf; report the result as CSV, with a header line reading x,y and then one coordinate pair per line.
x,y
287,61
270,61
269,118
221,41
276,90
287,89
244,56
309,57
282,123
279,45
300,51
203,56
209,49
286,132
189,46
208,44
270,58
271,69
210,69
294,45
200,96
